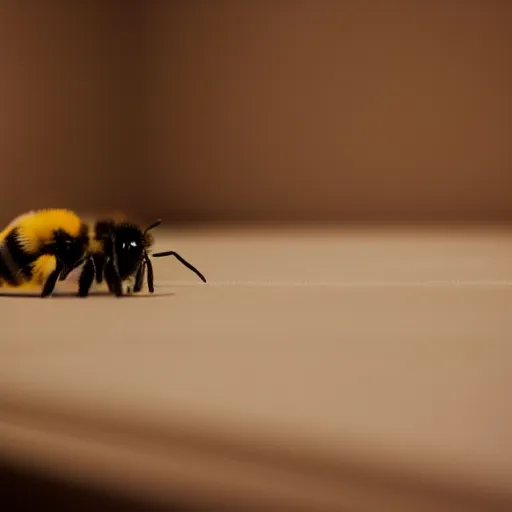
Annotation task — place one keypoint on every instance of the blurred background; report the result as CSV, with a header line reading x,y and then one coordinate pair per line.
x,y
257,111
253,112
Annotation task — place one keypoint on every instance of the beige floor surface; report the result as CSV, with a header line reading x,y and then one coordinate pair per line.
x,y
336,370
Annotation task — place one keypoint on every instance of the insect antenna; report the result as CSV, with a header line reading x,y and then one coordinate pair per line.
x,y
182,260
153,226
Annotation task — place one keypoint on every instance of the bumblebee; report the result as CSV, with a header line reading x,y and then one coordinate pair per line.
x,y
38,246
118,253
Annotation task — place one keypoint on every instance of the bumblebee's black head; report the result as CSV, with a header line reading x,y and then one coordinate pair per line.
x,y
129,248
127,243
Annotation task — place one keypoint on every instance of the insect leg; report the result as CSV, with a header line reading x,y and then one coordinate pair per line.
x,y
113,279
111,269
86,278
139,278
65,273
51,281
99,263
150,273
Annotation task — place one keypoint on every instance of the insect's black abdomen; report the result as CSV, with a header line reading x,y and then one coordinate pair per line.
x,y
14,261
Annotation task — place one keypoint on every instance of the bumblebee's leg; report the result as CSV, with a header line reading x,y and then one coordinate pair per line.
x,y
112,278
86,278
51,281
111,271
151,287
139,278
63,276
113,256
99,263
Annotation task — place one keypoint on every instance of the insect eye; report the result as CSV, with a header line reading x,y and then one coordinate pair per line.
x,y
129,245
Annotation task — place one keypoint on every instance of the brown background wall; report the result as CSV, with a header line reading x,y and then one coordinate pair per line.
x,y
58,98
233,110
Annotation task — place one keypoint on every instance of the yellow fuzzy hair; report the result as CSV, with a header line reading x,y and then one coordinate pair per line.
x,y
41,269
95,246
36,227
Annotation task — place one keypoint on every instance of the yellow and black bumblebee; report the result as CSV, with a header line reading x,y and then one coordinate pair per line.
x,y
37,247
118,252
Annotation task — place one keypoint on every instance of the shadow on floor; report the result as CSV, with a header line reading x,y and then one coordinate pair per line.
x,y
24,491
